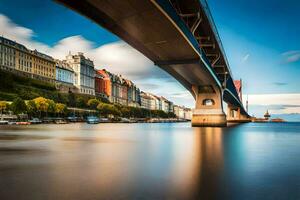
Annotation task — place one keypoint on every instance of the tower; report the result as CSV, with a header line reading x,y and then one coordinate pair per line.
x,y
267,115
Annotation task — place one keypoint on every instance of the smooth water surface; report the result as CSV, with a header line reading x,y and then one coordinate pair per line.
x,y
150,161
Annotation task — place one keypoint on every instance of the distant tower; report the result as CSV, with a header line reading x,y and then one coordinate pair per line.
x,y
247,104
267,115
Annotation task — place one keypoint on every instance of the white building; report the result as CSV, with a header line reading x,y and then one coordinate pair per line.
x,y
164,104
179,111
64,73
187,113
148,101
84,73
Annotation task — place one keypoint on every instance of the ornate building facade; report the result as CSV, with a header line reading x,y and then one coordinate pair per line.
x,y
84,73
17,58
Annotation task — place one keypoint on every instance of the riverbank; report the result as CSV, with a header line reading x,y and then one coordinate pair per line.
x,y
84,120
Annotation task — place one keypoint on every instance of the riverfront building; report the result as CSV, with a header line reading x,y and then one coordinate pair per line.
x,y
182,112
152,102
118,90
64,77
64,72
124,91
102,84
84,74
18,59
148,101
133,94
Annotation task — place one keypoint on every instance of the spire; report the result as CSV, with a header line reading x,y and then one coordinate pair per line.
x,y
247,103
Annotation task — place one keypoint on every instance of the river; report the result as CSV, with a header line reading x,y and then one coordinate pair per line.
x,y
150,161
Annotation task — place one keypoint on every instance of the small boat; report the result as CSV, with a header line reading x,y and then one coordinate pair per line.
x,y
60,121
92,120
72,119
35,121
23,123
3,122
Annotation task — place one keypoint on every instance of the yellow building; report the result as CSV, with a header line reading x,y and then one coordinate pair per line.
x,y
16,57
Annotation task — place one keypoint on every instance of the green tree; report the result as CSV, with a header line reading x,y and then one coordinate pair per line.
x,y
80,102
93,103
71,99
125,112
171,115
31,108
108,109
115,111
60,108
104,109
51,106
18,106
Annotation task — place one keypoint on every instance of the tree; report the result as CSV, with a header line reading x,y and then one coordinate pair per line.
x,y
31,108
3,106
18,106
80,102
103,109
41,104
108,109
71,99
171,115
114,111
51,107
60,108
126,112
93,103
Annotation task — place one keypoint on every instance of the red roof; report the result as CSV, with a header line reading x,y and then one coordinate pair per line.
x,y
103,73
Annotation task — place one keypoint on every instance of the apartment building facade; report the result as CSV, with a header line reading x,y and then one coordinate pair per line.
x,y
17,58
84,73
102,84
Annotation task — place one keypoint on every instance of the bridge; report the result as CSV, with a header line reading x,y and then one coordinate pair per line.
x,y
180,37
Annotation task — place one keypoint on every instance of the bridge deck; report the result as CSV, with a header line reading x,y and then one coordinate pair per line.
x,y
146,28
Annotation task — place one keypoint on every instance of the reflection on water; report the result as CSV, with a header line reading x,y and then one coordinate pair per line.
x,y
150,161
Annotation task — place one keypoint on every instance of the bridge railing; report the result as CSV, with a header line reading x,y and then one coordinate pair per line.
x,y
206,9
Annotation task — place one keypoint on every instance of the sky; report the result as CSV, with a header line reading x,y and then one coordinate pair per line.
x,y
260,38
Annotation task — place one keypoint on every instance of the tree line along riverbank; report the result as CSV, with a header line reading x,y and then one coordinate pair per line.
x,y
41,107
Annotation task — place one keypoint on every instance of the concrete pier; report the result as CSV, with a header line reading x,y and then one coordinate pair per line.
x,y
209,119
209,107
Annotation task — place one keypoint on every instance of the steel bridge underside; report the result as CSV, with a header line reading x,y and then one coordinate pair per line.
x,y
178,36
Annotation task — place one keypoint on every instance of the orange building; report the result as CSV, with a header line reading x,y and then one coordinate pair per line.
x,y
102,84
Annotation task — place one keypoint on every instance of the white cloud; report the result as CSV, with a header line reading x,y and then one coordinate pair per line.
x,y
291,56
276,103
117,57
20,34
245,58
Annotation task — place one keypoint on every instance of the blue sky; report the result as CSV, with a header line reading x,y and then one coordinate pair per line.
x,y
261,40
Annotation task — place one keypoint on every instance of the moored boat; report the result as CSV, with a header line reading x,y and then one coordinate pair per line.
x,y
3,122
35,121
23,123
92,120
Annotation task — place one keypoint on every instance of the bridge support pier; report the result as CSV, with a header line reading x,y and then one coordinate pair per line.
x,y
234,115
209,108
